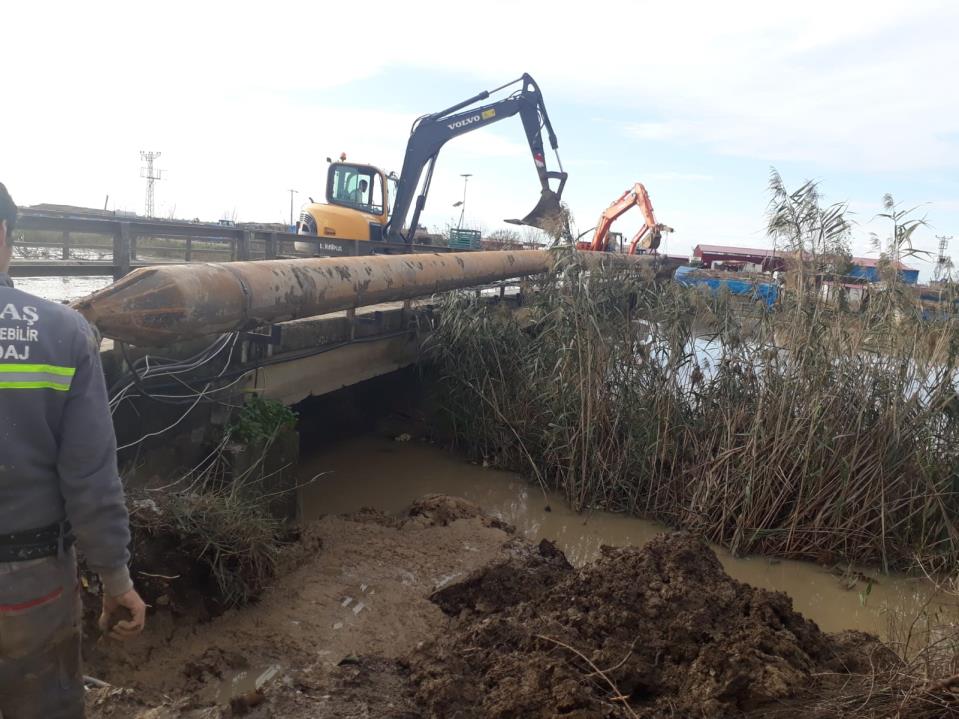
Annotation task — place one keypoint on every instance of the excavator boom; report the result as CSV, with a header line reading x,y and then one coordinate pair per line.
x,y
431,132
648,237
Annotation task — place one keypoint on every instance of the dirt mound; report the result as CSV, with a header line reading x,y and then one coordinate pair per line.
x,y
524,575
430,510
341,634
369,515
662,629
441,510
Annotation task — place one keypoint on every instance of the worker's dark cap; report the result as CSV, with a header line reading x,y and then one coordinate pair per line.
x,y
8,208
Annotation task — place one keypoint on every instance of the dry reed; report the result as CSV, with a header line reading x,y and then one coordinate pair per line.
x,y
807,432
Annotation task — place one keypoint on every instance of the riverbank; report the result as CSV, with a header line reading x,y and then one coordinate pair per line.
x,y
442,610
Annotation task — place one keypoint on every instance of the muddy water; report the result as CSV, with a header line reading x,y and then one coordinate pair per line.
x,y
388,475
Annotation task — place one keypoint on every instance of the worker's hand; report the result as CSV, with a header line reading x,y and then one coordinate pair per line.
x,y
123,617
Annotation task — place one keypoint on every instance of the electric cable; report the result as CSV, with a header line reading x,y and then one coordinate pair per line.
x,y
236,375
170,369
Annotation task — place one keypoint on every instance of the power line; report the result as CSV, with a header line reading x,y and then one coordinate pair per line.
x,y
151,175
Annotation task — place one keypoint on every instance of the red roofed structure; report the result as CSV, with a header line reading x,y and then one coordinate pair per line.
x,y
771,260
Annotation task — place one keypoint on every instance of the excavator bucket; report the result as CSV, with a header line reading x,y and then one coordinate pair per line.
x,y
548,215
652,240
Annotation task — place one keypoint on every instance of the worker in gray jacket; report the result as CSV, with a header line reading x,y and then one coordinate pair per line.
x,y
58,481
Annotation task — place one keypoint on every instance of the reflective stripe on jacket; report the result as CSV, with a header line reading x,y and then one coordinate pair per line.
x,y
57,445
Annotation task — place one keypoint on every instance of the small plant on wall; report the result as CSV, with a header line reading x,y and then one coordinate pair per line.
x,y
260,420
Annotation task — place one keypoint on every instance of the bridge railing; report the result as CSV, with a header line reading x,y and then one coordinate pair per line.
x,y
67,244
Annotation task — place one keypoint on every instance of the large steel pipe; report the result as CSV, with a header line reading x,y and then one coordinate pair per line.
x,y
154,306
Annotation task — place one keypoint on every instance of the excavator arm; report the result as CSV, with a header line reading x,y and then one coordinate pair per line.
x,y
648,237
431,132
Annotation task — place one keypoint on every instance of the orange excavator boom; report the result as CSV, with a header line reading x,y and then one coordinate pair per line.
x,y
648,237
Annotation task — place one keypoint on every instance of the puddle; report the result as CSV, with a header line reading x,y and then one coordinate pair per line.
x,y
388,475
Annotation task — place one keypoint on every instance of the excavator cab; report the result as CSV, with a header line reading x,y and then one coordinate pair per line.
x,y
356,205
359,187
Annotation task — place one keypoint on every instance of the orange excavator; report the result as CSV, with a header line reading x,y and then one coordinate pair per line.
x,y
648,237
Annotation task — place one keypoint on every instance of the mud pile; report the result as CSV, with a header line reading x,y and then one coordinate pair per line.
x,y
526,574
444,612
652,632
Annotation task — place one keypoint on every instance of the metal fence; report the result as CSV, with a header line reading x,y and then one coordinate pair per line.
x,y
66,244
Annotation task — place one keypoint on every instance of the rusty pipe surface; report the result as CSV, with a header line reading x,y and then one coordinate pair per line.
x,y
154,306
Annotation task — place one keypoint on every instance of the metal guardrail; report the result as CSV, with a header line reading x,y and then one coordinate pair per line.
x,y
130,248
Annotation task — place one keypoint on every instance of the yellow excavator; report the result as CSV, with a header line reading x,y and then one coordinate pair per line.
x,y
358,198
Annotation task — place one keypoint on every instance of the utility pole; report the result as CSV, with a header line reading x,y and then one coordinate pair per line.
x,y
292,192
466,178
151,175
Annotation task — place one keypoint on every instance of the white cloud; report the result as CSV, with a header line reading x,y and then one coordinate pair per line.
x,y
678,177
233,93
654,130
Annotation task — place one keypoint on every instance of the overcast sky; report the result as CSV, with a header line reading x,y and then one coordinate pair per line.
x,y
695,99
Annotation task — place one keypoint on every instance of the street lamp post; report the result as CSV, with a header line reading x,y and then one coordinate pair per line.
x,y
466,178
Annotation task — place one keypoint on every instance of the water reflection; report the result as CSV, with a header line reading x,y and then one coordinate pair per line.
x,y
61,289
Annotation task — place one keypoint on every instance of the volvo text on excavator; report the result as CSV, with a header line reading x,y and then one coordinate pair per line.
x,y
358,199
646,240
